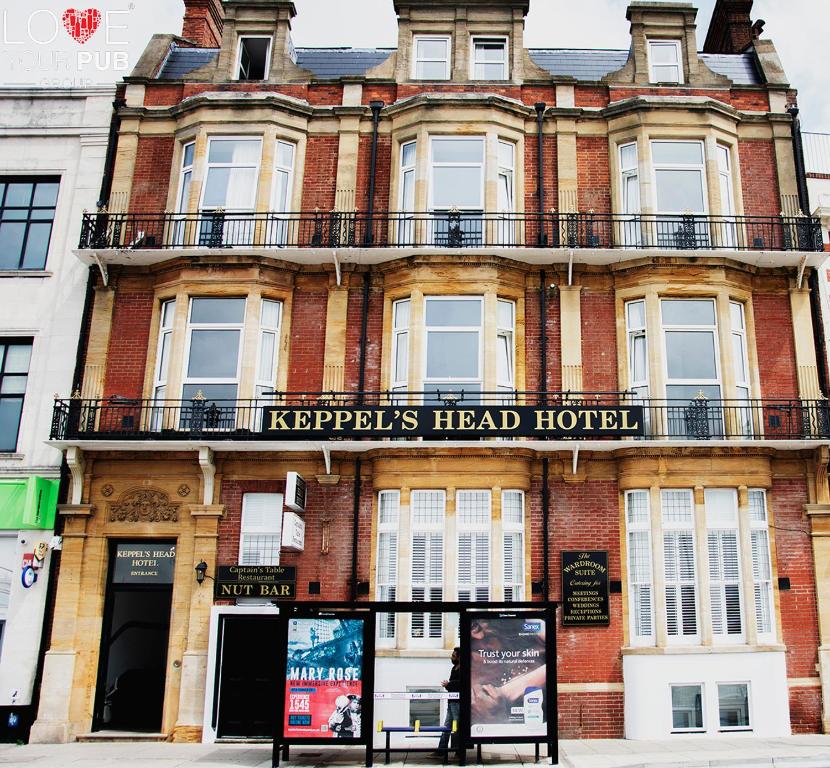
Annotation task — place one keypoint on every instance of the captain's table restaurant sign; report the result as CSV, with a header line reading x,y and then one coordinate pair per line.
x,y
473,422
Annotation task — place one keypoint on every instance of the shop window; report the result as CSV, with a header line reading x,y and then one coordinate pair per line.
x,y
513,544
473,517
687,708
457,184
432,58
733,706
761,566
427,575
453,344
387,559
253,59
15,356
679,563
489,58
214,348
665,61
725,585
640,579
426,710
27,211
259,538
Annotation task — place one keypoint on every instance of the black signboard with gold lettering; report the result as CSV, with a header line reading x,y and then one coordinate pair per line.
x,y
460,422
585,599
144,563
275,582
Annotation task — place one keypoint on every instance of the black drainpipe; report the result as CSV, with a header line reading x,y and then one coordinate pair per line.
x,y
540,168
545,531
812,280
543,335
355,520
376,107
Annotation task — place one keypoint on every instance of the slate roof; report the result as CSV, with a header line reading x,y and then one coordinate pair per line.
x,y
584,65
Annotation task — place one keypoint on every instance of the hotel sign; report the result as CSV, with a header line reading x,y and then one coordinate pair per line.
x,y
585,599
472,422
276,582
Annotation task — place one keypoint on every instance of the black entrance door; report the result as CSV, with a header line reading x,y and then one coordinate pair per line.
x,y
135,636
248,680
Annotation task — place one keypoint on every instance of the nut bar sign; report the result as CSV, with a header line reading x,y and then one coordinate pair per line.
x,y
551,423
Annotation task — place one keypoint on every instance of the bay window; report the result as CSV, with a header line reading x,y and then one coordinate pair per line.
x,y
725,585
386,579
473,520
680,188
630,191
489,58
165,341
427,575
453,344
456,185
640,579
431,59
406,220
680,570
635,320
270,314
186,177
513,544
728,228
505,366
283,188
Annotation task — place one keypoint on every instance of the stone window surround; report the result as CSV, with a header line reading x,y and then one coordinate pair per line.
x,y
254,293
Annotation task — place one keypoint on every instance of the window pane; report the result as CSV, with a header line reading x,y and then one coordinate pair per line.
x,y
217,310
216,187
687,706
690,355
408,154
270,313
231,188
402,314
453,313
504,362
266,358
505,155
164,356
452,354
636,314
723,158
17,358
738,355
235,151
458,150
677,152
490,50
281,191
213,354
19,194
408,194
211,392
46,194
432,49
679,191
187,158
37,245
688,312
628,157
736,313
505,314
10,409
285,154
459,187
733,704
167,310
431,70
638,359
11,244
401,357
663,74
489,71
13,385
690,392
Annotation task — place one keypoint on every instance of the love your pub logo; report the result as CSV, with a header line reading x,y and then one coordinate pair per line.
x,y
64,46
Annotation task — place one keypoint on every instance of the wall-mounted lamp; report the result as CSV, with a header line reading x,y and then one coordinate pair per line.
x,y
201,572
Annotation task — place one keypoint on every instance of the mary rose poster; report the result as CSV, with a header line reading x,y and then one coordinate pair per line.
x,y
324,679
508,677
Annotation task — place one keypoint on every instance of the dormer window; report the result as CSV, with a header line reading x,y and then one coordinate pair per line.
x,y
253,58
665,62
432,58
489,58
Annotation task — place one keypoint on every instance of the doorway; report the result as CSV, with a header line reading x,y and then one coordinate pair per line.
x,y
135,635
248,687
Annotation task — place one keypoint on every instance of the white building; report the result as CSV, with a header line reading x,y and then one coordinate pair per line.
x,y
53,147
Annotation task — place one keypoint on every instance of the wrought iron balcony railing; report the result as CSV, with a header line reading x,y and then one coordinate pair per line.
x,y
119,418
448,229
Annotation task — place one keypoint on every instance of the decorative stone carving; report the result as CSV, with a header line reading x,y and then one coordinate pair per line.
x,y
107,490
144,505
183,490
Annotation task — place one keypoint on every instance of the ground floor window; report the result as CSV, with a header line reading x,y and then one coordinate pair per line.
x,y
733,705
687,707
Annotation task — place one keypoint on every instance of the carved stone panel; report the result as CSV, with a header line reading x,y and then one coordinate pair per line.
x,y
144,505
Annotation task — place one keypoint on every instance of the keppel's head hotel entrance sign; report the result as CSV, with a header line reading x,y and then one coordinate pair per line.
x,y
473,422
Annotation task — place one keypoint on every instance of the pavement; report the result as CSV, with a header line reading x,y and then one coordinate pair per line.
x,y
683,752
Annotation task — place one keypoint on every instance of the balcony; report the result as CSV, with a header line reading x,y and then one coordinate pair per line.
x,y
690,421
447,230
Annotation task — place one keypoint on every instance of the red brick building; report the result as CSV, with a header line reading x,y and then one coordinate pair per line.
x,y
458,224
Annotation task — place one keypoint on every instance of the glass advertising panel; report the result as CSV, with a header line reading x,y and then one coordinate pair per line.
x,y
324,679
508,677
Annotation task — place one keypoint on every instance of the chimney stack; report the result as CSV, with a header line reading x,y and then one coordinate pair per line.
x,y
202,23
730,30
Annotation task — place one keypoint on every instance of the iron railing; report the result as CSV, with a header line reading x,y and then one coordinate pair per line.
x,y
119,418
448,229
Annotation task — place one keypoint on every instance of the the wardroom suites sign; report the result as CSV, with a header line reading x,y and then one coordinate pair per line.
x,y
546,422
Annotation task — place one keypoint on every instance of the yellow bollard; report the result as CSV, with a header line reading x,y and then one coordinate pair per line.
x,y
454,726
380,726
417,726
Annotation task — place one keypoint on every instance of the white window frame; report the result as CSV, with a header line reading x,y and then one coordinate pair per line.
x,y
288,170
673,528
702,688
713,329
269,383
238,65
663,43
473,589
505,62
631,234
454,328
400,336
186,380
736,728
508,334
162,367
247,531
517,530
639,386
387,589
701,168
433,589
482,165
716,531
763,584
638,637
447,40
208,165
406,225
727,195
186,170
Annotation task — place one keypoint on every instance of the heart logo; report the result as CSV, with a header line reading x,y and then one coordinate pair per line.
x,y
81,25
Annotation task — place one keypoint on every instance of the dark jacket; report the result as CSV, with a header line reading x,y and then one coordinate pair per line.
x,y
454,683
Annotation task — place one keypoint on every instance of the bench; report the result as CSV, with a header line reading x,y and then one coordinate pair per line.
x,y
418,730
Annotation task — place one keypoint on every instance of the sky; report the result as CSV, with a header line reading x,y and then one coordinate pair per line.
x,y
35,49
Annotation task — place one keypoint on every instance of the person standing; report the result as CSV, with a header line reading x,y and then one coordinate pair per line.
x,y
453,685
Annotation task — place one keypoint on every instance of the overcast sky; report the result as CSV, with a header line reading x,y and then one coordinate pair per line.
x,y
35,49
